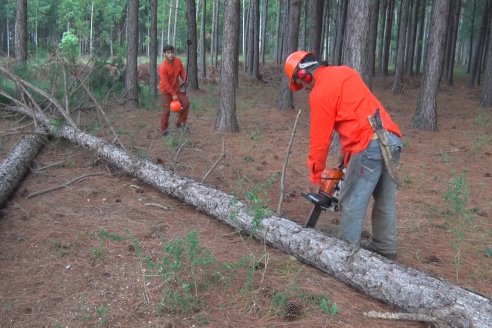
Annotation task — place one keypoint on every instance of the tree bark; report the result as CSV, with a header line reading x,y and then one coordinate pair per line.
x,y
425,117
373,25
153,49
474,78
21,31
292,30
406,288
203,47
387,36
420,37
17,163
454,18
340,31
226,120
486,99
357,37
192,61
397,86
316,27
132,54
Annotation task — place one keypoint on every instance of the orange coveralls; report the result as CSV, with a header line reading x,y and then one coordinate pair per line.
x,y
341,101
169,74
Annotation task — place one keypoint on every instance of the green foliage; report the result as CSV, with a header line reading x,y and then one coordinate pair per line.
x,y
256,198
104,234
328,307
185,269
458,221
69,46
97,252
102,316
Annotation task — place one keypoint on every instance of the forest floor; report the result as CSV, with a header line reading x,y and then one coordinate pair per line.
x,y
110,251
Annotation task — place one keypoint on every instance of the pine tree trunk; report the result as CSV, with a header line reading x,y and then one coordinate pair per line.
x,y
226,120
132,54
486,99
387,36
21,31
340,31
473,79
17,163
316,27
373,26
420,37
153,49
292,30
397,85
425,117
203,48
357,37
192,61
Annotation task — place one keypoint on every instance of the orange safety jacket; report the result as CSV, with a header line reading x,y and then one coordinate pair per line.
x,y
169,73
341,101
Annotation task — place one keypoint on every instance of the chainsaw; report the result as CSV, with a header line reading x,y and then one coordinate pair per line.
x,y
327,196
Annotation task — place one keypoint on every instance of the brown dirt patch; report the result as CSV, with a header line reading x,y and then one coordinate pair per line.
x,y
94,253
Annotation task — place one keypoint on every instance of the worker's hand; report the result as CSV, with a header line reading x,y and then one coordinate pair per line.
x,y
175,97
313,187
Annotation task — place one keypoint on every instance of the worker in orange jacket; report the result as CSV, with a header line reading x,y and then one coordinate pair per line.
x,y
340,101
170,71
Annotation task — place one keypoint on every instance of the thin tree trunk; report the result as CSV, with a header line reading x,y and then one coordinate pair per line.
x,y
473,79
203,49
263,33
397,86
405,288
383,7
192,60
425,117
387,36
132,54
340,31
357,37
373,25
21,31
175,31
316,27
153,49
226,120
486,99
454,19
292,38
420,37
277,51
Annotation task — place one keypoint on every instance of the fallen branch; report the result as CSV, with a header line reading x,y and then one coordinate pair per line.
x,y
164,207
402,316
64,185
222,155
284,167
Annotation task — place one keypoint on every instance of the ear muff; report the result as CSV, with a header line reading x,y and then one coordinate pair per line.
x,y
304,75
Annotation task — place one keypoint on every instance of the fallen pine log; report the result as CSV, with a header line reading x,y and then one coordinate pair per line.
x,y
17,163
406,288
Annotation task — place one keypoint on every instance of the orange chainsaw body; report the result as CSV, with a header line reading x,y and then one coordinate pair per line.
x,y
329,180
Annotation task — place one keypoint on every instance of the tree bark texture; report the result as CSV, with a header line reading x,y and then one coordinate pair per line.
x,y
357,37
474,77
373,35
203,46
17,163
132,54
292,29
403,287
316,27
420,37
486,99
340,31
192,60
425,117
153,49
397,85
387,36
21,31
453,23
226,120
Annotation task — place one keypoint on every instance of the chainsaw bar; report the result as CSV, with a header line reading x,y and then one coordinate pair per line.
x,y
321,202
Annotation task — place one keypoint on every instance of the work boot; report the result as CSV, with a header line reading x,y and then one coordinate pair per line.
x,y
369,246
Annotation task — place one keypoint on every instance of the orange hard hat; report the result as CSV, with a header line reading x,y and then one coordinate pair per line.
x,y
290,67
175,106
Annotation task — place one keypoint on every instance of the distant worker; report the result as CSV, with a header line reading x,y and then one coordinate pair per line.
x,y
170,72
340,101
